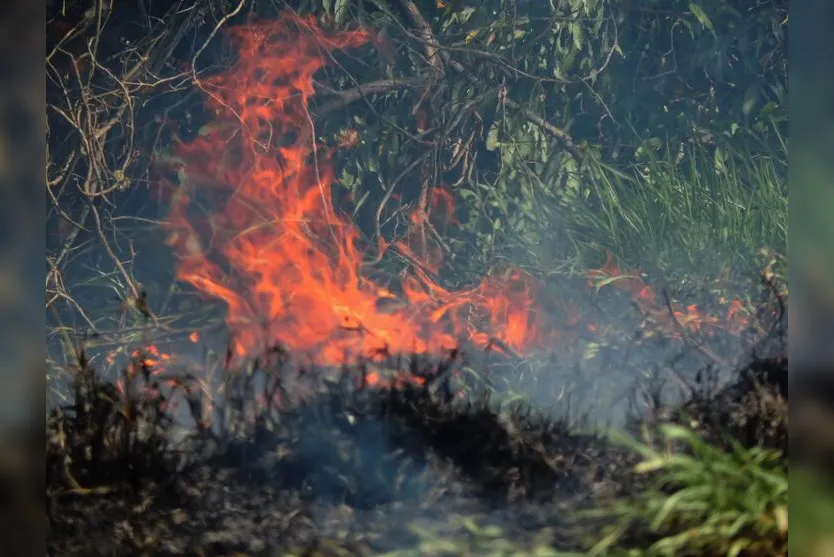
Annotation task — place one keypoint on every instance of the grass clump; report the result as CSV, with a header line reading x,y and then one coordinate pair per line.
x,y
715,208
701,500
679,213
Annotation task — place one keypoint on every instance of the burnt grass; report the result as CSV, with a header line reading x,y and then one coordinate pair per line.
x,y
339,467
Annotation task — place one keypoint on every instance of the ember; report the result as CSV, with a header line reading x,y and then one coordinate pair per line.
x,y
673,319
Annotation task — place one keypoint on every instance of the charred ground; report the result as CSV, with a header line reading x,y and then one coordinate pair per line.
x,y
350,469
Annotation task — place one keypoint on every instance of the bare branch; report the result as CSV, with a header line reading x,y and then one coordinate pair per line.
x,y
431,45
348,96
555,131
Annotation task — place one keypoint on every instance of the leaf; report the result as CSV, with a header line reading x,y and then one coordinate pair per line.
x,y
465,14
347,180
737,547
672,502
611,280
751,98
490,531
492,138
653,465
719,161
578,36
702,17
360,203
340,11
689,28
469,524
466,194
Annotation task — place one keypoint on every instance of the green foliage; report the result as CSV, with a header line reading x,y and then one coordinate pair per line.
x,y
679,109
701,501
711,209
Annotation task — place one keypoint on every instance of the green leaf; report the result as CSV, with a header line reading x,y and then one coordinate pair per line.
x,y
347,180
737,547
611,280
652,465
672,502
340,11
751,98
492,138
469,524
464,15
361,202
702,17
720,166
578,36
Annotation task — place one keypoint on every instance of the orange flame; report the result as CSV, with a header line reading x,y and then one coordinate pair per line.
x,y
689,318
286,264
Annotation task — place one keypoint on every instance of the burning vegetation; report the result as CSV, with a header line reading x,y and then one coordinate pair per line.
x,y
253,223
277,251
346,467
352,415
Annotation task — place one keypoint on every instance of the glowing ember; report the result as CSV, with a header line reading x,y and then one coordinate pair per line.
x,y
687,319
287,265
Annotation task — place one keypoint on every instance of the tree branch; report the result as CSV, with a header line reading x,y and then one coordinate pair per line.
x,y
555,131
347,96
431,45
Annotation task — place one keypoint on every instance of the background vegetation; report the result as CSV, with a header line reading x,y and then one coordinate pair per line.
x,y
655,131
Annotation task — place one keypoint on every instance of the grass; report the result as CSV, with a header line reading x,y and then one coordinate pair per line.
x,y
347,471
699,212
703,500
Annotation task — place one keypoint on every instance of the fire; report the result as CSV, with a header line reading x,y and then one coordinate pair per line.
x,y
150,357
287,265
690,318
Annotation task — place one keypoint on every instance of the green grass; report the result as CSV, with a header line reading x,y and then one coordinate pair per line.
x,y
705,213
702,500
697,211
